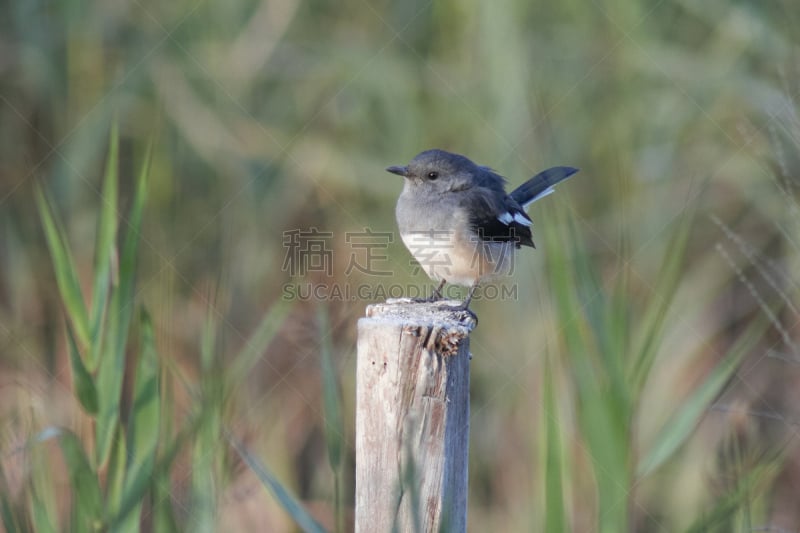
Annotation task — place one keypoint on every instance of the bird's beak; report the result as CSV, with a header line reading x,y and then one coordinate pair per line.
x,y
400,171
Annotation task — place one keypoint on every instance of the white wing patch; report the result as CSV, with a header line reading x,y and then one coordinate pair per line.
x,y
547,192
519,218
506,218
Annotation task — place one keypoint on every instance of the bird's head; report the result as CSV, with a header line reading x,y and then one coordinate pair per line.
x,y
439,171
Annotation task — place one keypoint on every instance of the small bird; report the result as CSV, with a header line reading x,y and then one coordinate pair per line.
x,y
459,223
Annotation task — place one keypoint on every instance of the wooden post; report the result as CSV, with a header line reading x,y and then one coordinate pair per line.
x,y
412,417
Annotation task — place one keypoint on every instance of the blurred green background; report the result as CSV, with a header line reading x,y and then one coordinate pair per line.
x,y
644,377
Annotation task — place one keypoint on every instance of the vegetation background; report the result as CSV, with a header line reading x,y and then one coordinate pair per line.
x,y
644,378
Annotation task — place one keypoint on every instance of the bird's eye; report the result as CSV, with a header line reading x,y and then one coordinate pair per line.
x,y
433,175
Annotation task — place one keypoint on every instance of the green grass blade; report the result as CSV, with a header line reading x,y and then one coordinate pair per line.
x,y
334,425
601,415
130,247
65,272
87,500
408,489
6,514
207,456
105,248
331,407
43,507
122,304
287,501
145,418
109,388
111,367
163,515
208,343
160,485
206,468
43,521
555,512
682,423
115,474
598,311
753,483
144,422
8,517
652,324
82,381
254,348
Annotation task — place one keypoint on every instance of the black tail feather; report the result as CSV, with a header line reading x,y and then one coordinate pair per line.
x,y
534,187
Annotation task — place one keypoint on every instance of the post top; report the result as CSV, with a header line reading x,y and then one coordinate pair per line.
x,y
444,314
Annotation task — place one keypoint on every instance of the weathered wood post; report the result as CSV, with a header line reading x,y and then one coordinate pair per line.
x,y
412,417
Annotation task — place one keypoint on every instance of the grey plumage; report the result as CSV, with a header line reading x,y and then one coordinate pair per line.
x,y
447,194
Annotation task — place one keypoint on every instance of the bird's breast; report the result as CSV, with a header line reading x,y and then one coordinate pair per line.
x,y
457,256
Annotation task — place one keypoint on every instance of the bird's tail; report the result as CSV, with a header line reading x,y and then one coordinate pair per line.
x,y
541,185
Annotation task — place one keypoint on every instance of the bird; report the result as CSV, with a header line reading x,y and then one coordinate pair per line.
x,y
459,223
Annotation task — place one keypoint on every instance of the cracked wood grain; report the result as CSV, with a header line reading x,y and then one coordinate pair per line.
x,y
412,417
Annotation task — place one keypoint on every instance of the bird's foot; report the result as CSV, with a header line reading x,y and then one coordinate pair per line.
x,y
465,306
